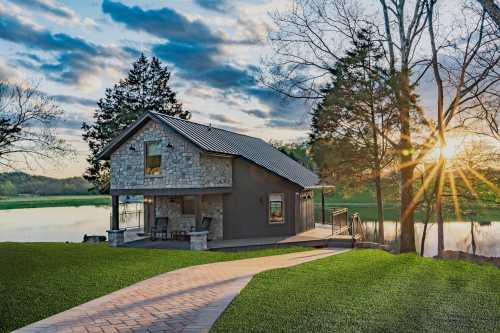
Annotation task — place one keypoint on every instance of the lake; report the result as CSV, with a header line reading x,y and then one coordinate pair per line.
x,y
457,236
55,224
61,224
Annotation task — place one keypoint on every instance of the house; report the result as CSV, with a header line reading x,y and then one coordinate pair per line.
x,y
187,171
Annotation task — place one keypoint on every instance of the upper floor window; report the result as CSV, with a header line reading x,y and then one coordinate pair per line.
x,y
152,158
276,208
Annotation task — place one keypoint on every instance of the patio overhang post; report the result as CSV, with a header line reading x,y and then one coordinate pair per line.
x,y
116,236
322,206
115,224
197,211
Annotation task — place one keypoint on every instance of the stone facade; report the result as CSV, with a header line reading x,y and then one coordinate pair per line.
x,y
211,206
183,165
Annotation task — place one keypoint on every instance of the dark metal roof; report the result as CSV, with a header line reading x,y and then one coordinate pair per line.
x,y
216,140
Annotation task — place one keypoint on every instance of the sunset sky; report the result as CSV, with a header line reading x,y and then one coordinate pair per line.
x,y
76,49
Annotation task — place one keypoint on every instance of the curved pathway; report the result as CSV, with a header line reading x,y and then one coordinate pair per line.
x,y
186,300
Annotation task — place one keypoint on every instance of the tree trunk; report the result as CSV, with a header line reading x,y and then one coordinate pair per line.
x,y
439,205
424,235
424,232
380,208
407,167
377,175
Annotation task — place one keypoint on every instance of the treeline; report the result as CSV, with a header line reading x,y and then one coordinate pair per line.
x,y
16,183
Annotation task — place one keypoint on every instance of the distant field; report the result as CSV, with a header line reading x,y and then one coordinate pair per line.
x,y
53,201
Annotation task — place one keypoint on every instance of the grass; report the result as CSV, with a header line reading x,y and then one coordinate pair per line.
x,y
54,201
40,279
369,291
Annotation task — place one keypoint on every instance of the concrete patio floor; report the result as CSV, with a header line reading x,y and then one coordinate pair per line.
x,y
320,236
186,300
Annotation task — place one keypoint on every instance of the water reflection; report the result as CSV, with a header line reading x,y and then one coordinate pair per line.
x,y
54,224
61,224
457,236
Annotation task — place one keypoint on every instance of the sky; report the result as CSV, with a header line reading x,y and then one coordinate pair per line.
x,y
74,50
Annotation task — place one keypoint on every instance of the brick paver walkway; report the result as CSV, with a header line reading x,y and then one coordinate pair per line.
x,y
186,300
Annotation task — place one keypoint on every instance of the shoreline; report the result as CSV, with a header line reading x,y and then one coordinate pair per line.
x,y
54,201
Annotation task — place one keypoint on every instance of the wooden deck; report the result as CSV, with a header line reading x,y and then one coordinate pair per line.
x,y
320,236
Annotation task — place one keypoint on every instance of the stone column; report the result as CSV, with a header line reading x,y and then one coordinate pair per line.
x,y
198,240
116,236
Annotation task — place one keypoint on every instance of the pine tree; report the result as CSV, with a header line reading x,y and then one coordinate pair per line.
x,y
146,88
351,125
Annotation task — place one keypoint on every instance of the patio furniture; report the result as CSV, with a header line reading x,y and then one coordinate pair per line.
x,y
180,235
160,227
204,224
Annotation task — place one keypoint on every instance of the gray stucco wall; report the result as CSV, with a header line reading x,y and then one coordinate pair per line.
x,y
246,209
183,166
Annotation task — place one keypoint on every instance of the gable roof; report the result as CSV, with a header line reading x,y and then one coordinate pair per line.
x,y
216,140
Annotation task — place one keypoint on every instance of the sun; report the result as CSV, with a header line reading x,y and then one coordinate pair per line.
x,y
450,151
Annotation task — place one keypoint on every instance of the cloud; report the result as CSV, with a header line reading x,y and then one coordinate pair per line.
x,y
196,51
56,11
7,73
164,23
48,7
223,119
67,99
188,57
221,6
288,123
14,30
257,113
75,59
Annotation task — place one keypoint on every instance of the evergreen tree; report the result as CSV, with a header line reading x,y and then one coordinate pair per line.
x,y
146,88
351,125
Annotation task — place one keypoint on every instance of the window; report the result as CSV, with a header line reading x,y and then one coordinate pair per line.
x,y
153,158
276,208
188,205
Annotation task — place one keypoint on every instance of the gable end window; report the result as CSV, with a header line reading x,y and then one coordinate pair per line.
x,y
276,208
152,160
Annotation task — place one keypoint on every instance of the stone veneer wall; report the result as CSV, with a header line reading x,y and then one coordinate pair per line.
x,y
183,166
171,207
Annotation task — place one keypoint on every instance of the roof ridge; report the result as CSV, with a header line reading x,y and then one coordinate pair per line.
x,y
208,126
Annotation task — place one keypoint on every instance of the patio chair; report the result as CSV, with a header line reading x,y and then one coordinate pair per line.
x,y
204,224
160,227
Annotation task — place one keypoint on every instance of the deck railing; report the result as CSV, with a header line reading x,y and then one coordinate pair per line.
x,y
129,217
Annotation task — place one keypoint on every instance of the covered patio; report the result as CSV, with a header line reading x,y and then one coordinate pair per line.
x,y
320,236
172,214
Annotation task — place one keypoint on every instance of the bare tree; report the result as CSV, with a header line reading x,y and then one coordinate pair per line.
x,y
27,119
492,9
472,77
313,35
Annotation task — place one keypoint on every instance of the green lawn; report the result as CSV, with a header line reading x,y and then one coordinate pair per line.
x,y
369,291
53,201
40,279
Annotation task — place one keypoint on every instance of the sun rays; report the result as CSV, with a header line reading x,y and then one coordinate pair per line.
x,y
455,163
